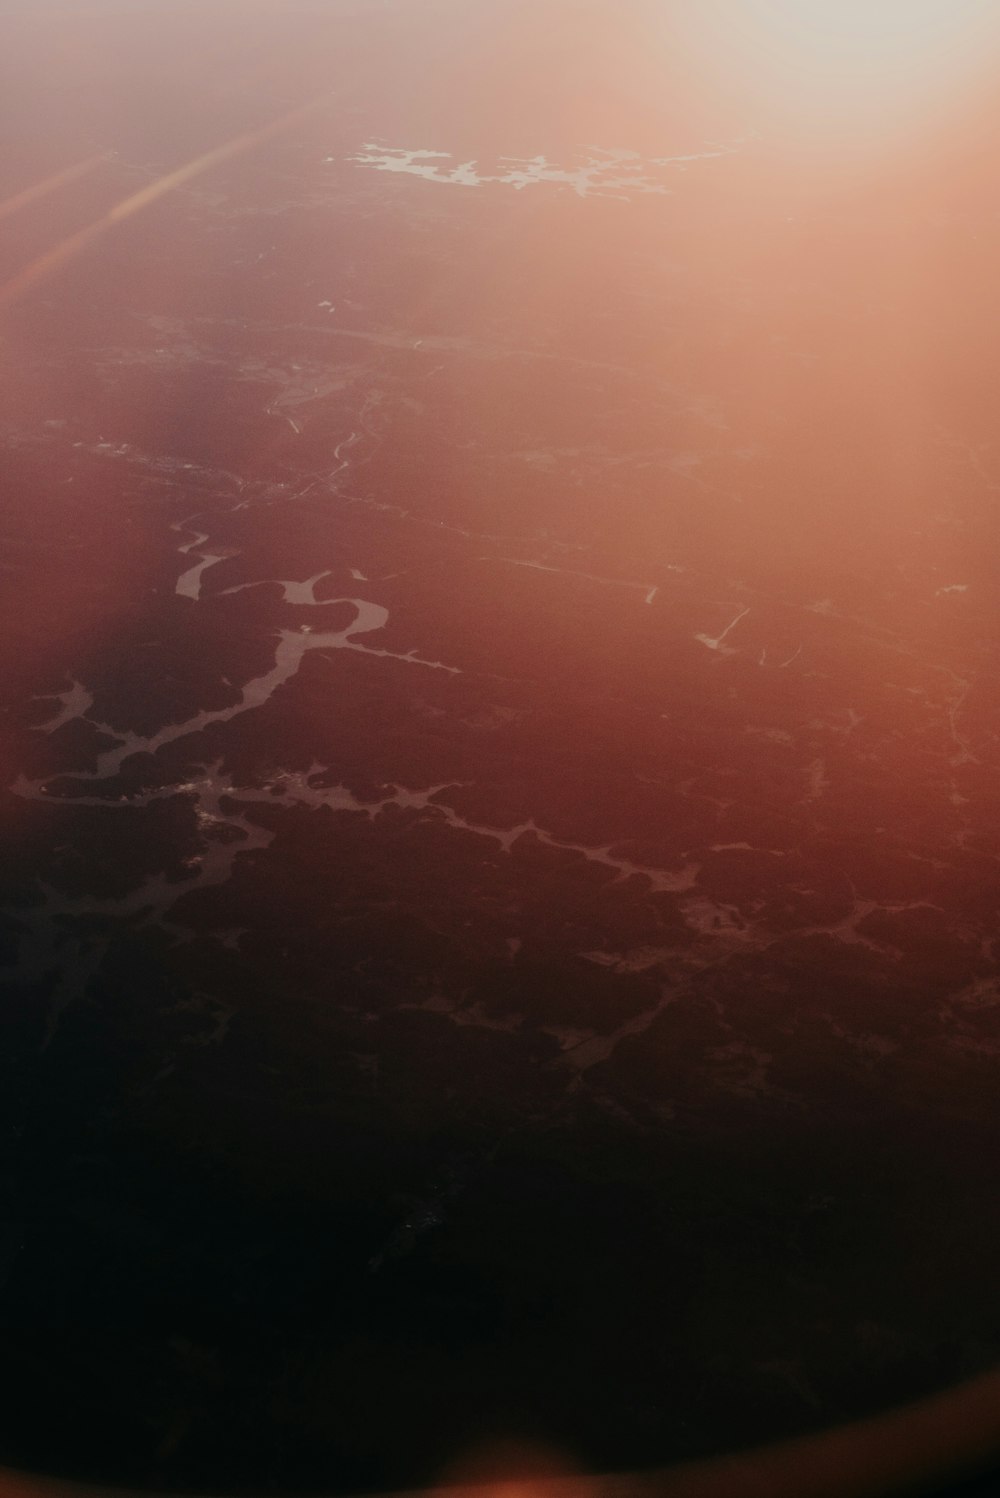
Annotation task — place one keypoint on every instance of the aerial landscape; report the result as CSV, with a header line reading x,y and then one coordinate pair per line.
x,y
500,733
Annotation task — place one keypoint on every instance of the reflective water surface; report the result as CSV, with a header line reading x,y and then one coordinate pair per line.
x,y
500,732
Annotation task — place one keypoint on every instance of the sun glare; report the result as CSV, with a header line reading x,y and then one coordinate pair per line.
x,y
864,31
834,63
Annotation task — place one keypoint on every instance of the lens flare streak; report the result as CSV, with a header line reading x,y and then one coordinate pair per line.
x,y
62,254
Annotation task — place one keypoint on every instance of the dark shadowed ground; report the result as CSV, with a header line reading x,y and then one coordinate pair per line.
x,y
500,813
